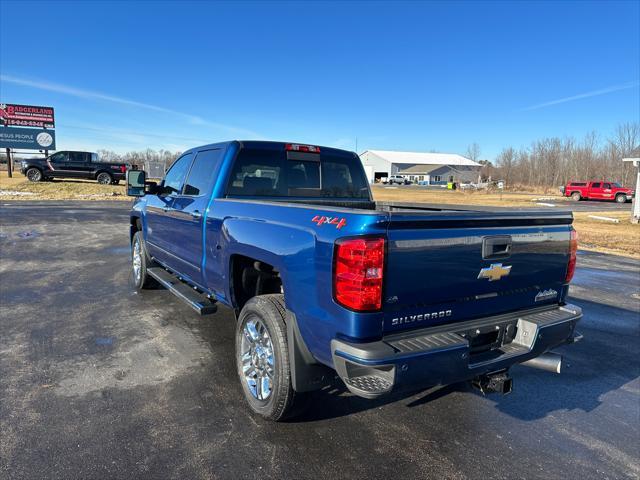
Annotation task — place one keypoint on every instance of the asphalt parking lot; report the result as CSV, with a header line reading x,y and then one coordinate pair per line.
x,y
97,381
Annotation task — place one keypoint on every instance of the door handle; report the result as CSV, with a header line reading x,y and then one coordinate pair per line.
x,y
496,247
196,214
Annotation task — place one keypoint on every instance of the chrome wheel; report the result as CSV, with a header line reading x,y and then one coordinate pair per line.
x,y
136,261
104,179
258,361
34,175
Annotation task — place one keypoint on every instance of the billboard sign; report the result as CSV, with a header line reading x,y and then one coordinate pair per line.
x,y
26,115
27,138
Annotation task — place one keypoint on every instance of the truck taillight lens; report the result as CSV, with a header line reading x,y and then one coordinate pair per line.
x,y
573,251
358,270
123,169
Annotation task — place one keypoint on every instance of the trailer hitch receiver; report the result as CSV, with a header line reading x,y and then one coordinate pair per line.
x,y
499,382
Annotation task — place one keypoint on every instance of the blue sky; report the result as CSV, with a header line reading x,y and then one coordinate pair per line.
x,y
404,76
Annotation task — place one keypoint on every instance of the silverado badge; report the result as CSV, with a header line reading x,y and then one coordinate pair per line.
x,y
495,272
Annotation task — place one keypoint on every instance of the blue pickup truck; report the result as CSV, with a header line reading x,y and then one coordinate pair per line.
x,y
325,282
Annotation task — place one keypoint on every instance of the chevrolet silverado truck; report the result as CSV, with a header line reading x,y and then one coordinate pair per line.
x,y
597,191
73,165
325,282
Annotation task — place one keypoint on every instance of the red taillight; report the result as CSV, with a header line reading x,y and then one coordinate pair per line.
x,y
358,270
123,168
573,250
294,147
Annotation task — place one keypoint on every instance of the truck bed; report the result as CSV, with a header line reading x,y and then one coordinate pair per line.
x,y
436,255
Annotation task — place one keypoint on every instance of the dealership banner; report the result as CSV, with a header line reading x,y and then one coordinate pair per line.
x,y
27,138
26,115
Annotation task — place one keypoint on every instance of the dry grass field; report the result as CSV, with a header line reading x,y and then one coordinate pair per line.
x,y
622,238
19,188
459,197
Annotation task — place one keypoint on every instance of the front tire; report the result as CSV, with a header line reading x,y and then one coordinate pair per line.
x,y
262,357
621,198
104,178
576,197
140,261
34,175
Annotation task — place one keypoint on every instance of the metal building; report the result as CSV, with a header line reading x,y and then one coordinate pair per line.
x,y
426,168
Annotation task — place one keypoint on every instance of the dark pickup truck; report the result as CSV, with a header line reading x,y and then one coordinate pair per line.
x,y
324,280
73,165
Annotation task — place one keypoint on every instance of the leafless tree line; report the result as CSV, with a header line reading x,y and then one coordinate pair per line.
x,y
550,162
140,158
547,162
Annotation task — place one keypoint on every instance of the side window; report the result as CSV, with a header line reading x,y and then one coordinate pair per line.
x,y
175,176
77,157
606,185
257,172
59,157
201,173
595,185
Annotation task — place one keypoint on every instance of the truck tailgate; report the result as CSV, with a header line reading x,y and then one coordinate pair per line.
x,y
445,267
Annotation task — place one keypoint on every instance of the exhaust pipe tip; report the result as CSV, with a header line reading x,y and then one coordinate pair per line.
x,y
550,362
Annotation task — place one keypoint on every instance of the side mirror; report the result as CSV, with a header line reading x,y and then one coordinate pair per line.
x,y
136,183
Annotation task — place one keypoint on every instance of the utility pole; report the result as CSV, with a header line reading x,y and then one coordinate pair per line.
x,y
635,213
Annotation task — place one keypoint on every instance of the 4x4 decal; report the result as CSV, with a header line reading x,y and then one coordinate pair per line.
x,y
321,220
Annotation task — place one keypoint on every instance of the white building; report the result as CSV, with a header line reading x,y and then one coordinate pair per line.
x,y
427,168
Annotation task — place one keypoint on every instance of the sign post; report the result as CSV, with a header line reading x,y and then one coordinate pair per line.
x,y
635,215
9,162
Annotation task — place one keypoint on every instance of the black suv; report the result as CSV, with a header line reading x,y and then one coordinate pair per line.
x,y
73,165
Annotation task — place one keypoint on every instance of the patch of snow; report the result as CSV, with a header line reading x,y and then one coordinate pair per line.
x,y
15,193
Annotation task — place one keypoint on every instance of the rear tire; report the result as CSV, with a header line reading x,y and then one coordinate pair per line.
x,y
34,174
621,198
576,197
104,178
262,357
140,261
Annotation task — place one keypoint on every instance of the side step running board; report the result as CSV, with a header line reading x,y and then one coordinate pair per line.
x,y
196,300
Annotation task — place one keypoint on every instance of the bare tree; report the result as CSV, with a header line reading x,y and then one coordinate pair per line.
x,y
506,161
473,152
550,162
625,140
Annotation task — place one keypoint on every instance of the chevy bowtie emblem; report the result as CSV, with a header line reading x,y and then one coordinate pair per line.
x,y
495,272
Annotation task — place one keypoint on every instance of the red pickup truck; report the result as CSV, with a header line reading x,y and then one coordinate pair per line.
x,y
597,191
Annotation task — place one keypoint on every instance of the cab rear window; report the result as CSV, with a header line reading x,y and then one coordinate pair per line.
x,y
276,173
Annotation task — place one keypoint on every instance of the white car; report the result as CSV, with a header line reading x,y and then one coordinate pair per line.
x,y
398,179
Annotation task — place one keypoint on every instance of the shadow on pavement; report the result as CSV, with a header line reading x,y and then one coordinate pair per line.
x,y
603,362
